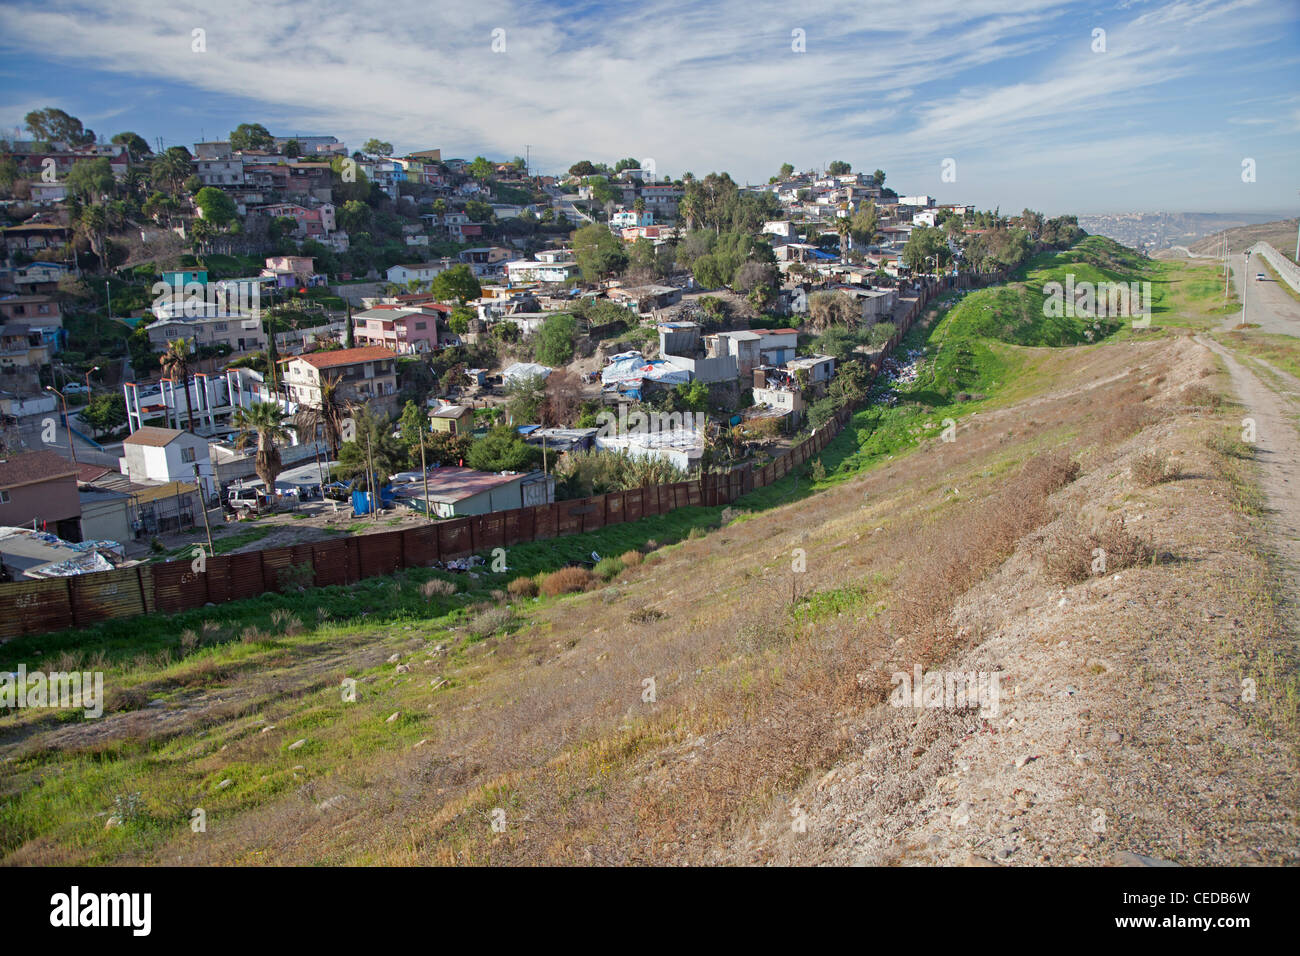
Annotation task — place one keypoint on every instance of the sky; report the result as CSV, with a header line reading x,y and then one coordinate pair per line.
x,y
1086,108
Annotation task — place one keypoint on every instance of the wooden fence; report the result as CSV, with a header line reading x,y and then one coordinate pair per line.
x,y
31,607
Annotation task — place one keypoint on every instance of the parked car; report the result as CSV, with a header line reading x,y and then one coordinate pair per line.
x,y
246,499
1260,277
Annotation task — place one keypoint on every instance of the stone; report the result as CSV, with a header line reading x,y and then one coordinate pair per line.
x,y
297,743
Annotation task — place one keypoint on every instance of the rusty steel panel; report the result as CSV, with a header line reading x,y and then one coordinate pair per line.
x,y
570,514
694,493
178,587
545,521
105,594
527,524
275,560
34,607
615,507
420,546
380,553
510,526
593,518
454,539
330,559
632,503
491,533
217,578
246,580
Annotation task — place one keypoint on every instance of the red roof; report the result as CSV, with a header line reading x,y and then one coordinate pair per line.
x,y
367,353
777,331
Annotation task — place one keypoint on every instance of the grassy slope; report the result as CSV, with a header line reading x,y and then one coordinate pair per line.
x,y
985,352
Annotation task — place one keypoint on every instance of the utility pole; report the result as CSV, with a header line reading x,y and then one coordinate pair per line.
x,y
371,478
203,506
424,470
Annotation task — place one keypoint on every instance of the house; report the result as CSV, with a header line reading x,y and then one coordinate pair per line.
x,y
465,231
22,346
237,331
779,389
631,218
38,489
169,507
39,311
314,222
530,270
742,345
455,492
106,513
404,273
365,373
454,419
39,555
680,447
34,278
304,267
645,298
152,454
782,229
777,346
877,304
403,329
819,368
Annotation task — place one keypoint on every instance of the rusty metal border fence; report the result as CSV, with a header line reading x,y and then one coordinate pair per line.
x,y
34,607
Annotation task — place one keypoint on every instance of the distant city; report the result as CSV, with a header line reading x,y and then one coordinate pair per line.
x,y
1149,231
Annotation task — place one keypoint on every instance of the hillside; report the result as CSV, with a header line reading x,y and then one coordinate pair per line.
x,y
722,693
1280,234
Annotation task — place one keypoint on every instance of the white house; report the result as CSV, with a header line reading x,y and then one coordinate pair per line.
x,y
530,270
153,454
403,273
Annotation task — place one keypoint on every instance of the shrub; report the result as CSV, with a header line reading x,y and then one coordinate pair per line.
x,y
565,581
696,533
492,620
1200,395
818,470
646,615
286,621
1076,554
609,568
1051,472
631,559
438,587
1151,468
522,588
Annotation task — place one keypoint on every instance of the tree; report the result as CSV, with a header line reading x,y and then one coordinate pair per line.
x,y
844,228
293,149
136,146
374,443
460,318
457,284
502,449
251,136
878,177
787,170
478,211
377,147
415,426
51,125
481,168
839,168
599,252
444,448
832,308
170,170
216,206
554,341
105,412
582,168
526,397
265,424
327,418
563,401
865,224
355,217
925,243
90,179
175,364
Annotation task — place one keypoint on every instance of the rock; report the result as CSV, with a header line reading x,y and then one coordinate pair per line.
x,y
973,860
395,658
1114,737
112,822
393,717
403,669
157,702
420,743
297,743
268,727
335,801
225,783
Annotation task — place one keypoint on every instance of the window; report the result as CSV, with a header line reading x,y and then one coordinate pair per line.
x,y
4,497
187,454
421,326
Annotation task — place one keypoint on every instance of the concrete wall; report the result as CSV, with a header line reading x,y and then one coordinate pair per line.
x,y
1284,267
45,500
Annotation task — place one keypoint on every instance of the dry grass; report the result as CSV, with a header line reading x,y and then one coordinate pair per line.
x,y
522,588
1200,395
1076,553
438,587
1152,468
565,581
631,559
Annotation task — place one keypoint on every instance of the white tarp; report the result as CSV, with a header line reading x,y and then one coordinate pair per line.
x,y
633,367
524,370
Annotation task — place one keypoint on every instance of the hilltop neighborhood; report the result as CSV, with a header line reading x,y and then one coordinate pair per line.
x,y
308,335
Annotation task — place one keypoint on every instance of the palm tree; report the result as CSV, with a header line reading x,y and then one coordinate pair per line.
x,y
175,364
92,222
265,423
326,418
689,209
170,170
842,226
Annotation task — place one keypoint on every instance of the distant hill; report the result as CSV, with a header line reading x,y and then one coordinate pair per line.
x,y
1279,234
1150,231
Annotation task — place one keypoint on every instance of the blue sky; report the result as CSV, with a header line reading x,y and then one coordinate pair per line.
x,y
1013,92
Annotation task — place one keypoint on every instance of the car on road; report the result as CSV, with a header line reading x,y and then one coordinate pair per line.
x,y
75,389
1260,277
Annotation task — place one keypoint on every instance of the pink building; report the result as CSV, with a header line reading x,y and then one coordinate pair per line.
x,y
401,328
